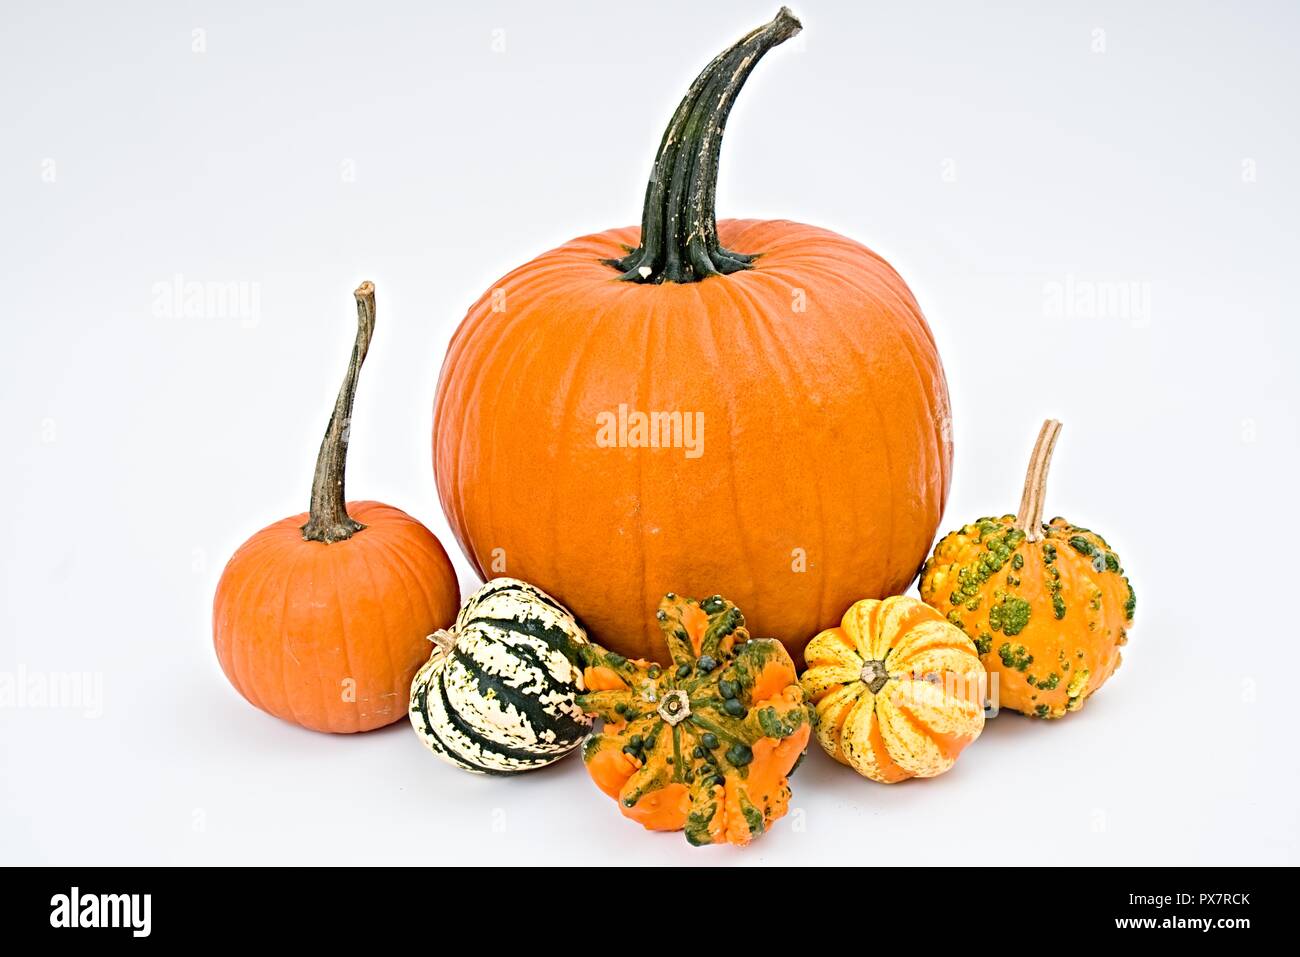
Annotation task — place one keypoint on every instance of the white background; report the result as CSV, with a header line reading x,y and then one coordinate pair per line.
x,y
992,156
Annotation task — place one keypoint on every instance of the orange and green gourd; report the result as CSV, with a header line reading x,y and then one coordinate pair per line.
x,y
707,743
899,692
1047,603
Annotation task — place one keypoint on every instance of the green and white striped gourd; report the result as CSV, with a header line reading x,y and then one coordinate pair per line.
x,y
498,694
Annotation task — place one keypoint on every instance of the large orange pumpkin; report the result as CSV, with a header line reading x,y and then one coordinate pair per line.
x,y
646,411
321,619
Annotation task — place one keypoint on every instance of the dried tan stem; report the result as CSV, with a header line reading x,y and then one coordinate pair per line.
x,y
1030,517
329,520
444,641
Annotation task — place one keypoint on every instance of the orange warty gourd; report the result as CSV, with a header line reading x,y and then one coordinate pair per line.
x,y
899,691
752,407
706,744
1047,604
321,619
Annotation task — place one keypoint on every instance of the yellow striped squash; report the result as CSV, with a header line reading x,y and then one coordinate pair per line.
x,y
898,690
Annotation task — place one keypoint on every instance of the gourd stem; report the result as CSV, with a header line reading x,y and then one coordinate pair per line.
x,y
329,520
443,640
1030,517
875,675
679,225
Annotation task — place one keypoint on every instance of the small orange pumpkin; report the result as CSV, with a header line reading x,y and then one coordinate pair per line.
x,y
321,619
899,691
1047,604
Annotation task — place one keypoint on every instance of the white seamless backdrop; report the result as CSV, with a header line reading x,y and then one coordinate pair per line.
x,y
1094,202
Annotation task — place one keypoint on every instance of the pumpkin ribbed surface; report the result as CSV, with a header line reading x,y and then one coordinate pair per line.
x,y
825,457
897,690
328,636
497,696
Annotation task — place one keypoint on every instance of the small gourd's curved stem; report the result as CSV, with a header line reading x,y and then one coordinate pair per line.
x,y
1030,517
329,520
679,224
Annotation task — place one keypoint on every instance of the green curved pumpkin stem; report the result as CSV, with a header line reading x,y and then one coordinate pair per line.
x,y
329,520
1030,517
679,225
